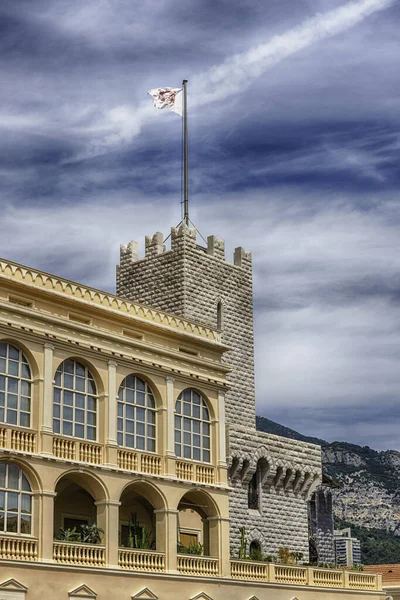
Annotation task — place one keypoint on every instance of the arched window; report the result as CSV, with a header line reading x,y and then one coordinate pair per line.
x,y
75,401
15,387
15,500
219,315
192,427
136,425
255,551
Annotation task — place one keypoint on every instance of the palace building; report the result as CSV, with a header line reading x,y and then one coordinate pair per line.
x,y
130,465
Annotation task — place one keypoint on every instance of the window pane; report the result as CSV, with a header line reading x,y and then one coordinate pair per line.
x,y
56,410
196,453
67,428
25,371
178,422
12,522
196,426
25,388
80,384
3,349
196,440
13,353
25,483
150,401
2,474
91,418
12,502
129,441
68,381
79,415
140,414
25,524
206,443
178,407
187,395
186,451
80,370
79,431
120,409
140,384
196,411
2,521
12,385
151,417
26,504
2,415
187,424
177,449
2,500
187,409
24,419
129,412
178,436
120,425
12,401
91,433
12,417
139,428
140,443
196,398
56,426
129,426
187,438
91,388
68,366
205,414
206,429
2,382
68,398
2,365
79,401
140,398
151,445
67,413
25,404
91,403
129,396
57,395
120,439
151,431
206,455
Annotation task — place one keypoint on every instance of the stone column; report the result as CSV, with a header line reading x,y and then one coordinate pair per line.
x,y
166,536
222,466
45,523
219,543
108,519
47,413
111,440
170,427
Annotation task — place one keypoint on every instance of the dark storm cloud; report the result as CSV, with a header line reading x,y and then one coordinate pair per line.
x,y
295,139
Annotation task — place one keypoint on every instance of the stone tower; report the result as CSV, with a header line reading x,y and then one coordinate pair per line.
x,y
271,477
197,283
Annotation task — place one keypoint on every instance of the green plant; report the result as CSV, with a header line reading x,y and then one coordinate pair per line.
x,y
284,555
138,537
270,558
256,554
297,556
243,544
69,535
194,548
91,534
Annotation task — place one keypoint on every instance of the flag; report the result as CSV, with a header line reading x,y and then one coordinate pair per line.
x,y
167,99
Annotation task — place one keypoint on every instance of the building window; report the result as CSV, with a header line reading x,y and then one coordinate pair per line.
x,y
253,495
192,427
219,315
15,387
15,500
136,425
75,401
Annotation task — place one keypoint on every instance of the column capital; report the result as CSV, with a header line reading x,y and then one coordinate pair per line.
x,y
169,379
48,346
107,503
112,363
218,518
45,493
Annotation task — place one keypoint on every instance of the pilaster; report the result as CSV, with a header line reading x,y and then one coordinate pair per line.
x,y
108,519
166,536
111,442
47,412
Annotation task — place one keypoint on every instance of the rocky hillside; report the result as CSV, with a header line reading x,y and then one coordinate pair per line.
x,y
370,481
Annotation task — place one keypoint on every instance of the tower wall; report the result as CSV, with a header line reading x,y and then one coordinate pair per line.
x,y
199,284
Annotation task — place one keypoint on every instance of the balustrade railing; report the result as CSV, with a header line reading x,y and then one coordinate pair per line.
x,y
73,449
326,578
247,570
137,461
362,581
18,439
141,560
194,472
18,548
191,564
289,574
86,555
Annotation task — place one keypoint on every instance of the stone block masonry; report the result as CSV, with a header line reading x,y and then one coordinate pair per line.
x,y
198,284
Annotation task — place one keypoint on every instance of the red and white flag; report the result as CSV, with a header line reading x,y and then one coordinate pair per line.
x,y
167,99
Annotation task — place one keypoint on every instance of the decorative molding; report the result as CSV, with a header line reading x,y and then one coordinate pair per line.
x,y
83,591
145,594
13,585
63,287
201,596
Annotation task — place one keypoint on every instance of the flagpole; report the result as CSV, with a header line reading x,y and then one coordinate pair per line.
x,y
185,156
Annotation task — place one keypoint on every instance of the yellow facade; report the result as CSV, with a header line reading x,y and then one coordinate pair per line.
x,y
82,354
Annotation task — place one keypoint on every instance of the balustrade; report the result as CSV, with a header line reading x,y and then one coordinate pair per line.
x,y
142,463
73,449
141,560
18,548
86,555
190,564
362,581
289,574
3,437
18,439
326,577
194,472
247,570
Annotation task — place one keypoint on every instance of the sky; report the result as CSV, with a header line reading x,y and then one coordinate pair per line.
x,y
294,120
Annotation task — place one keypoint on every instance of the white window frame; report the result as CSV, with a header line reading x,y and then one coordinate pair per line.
x,y
22,360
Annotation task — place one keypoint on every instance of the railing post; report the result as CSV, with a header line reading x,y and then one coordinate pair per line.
x,y
167,536
108,519
346,579
378,581
47,414
271,573
45,504
310,576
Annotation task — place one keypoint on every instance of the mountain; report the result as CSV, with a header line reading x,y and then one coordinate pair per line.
x,y
369,496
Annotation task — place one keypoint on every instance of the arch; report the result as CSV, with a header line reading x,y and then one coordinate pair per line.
x,y
30,473
203,500
255,550
150,382
192,426
148,490
87,480
91,368
35,372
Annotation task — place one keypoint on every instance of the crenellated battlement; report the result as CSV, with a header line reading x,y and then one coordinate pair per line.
x,y
183,238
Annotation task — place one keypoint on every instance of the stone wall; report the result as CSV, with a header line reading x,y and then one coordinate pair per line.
x,y
288,473
196,283
321,524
